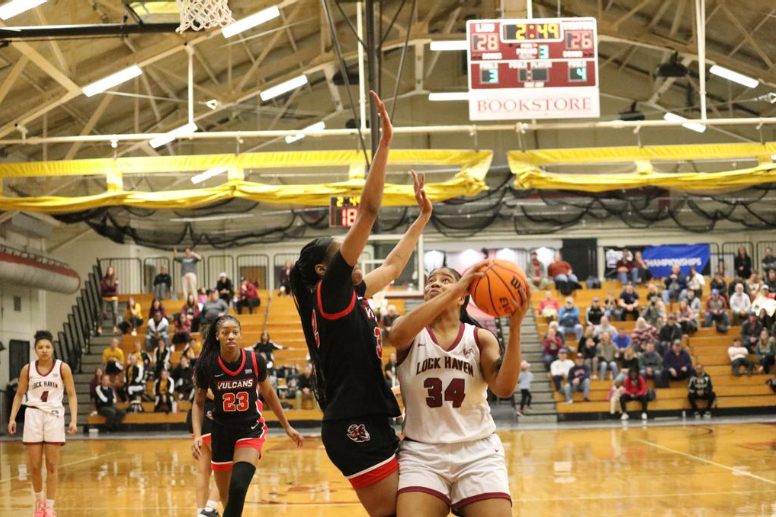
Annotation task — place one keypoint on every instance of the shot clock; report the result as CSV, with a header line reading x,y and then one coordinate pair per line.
x,y
343,211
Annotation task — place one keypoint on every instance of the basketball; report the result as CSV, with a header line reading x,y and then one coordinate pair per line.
x,y
497,292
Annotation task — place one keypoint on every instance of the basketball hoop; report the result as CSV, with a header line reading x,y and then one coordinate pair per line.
x,y
203,14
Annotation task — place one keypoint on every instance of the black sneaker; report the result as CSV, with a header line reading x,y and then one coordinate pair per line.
x,y
207,512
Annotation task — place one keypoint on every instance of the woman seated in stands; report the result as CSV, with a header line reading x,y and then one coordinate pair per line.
x,y
612,305
766,351
156,306
164,389
754,284
589,334
248,297
645,275
182,330
191,309
642,334
686,318
718,283
549,307
133,317
161,358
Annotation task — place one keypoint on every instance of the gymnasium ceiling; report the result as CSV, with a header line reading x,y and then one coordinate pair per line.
x,y
40,80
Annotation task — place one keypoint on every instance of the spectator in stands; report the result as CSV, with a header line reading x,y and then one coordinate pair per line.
x,y
677,364
387,320
182,330
188,270
740,305
191,309
654,312
162,284
390,371
629,362
305,384
568,319
642,334
716,312
629,303
700,388
590,355
134,384
615,392
156,306
626,269
669,333
694,302
594,313
560,271
721,268
695,283
739,357
605,326
105,401
161,358
202,297
225,288
650,363
267,347
109,289
612,306
183,376
608,353
249,297
192,351
676,285
589,334
554,325
537,272
98,373
214,308
766,351
622,339
143,359
549,307
552,345
524,384
687,318
750,331
718,283
285,279
770,281
559,369
742,263
634,388
751,287
113,360
645,275
578,379
768,262
133,317
164,394
157,328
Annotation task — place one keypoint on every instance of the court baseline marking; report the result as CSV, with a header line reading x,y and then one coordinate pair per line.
x,y
91,458
704,460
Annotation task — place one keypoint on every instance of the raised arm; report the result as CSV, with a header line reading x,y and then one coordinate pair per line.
x,y
72,398
269,395
397,260
372,195
17,400
501,373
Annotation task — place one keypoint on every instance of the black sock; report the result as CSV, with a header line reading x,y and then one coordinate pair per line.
x,y
242,474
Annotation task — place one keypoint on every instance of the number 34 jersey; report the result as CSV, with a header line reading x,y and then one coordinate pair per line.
x,y
444,392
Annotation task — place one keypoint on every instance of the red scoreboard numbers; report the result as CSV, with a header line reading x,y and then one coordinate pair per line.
x,y
343,211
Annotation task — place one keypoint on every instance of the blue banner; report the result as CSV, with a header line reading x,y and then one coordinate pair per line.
x,y
660,259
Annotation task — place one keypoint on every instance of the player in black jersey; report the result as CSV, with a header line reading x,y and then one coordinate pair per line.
x,y
235,378
345,342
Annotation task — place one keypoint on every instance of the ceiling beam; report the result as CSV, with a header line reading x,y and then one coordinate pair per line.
x,y
63,64
106,100
738,25
10,80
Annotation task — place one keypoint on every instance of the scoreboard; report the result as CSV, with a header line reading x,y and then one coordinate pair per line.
x,y
343,211
536,68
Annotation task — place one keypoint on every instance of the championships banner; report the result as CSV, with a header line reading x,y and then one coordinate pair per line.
x,y
660,259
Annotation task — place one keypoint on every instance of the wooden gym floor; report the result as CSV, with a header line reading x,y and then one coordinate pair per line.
x,y
692,470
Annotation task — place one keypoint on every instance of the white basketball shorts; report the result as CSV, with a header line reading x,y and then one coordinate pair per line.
x,y
43,427
459,474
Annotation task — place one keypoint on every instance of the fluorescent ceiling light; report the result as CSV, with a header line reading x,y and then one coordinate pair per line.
x,y
314,127
448,96
250,22
277,91
14,7
199,178
730,75
112,80
449,45
693,126
172,135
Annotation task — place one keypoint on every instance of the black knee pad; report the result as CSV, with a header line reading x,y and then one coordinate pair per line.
x,y
242,474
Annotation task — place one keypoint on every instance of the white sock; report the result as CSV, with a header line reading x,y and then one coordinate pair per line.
x,y
50,504
213,505
39,496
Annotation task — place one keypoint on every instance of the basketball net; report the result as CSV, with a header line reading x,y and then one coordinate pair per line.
x,y
203,14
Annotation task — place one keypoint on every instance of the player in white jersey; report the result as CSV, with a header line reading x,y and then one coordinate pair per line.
x,y
44,383
450,456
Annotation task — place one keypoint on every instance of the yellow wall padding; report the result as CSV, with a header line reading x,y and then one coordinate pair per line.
x,y
528,174
470,181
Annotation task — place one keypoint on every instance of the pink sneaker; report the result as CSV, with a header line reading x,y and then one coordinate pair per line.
x,y
40,509
50,512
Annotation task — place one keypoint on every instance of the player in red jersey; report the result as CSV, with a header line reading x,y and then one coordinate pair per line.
x,y
235,378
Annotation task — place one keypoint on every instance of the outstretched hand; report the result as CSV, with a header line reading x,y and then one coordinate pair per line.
x,y
475,272
385,119
420,193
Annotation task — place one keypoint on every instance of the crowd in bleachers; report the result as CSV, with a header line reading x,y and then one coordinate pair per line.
x,y
584,344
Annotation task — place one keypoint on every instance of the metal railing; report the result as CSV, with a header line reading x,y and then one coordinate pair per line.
x,y
254,268
217,264
152,267
128,272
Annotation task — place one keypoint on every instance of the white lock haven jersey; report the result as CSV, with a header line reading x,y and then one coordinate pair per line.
x,y
46,392
444,392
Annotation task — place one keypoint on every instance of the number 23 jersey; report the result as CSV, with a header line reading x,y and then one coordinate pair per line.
x,y
444,392
236,390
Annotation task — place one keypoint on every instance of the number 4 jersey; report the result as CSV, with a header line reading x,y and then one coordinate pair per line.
x,y
46,392
444,392
236,389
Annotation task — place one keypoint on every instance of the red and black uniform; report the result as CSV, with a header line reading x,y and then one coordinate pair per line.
x,y
237,413
356,428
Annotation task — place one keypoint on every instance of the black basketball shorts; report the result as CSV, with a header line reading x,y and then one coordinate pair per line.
x,y
362,448
226,438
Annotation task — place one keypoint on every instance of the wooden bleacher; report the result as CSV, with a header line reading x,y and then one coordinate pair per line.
x,y
734,394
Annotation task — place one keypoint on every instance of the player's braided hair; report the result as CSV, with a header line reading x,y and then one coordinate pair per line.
x,y
210,349
303,280
464,316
